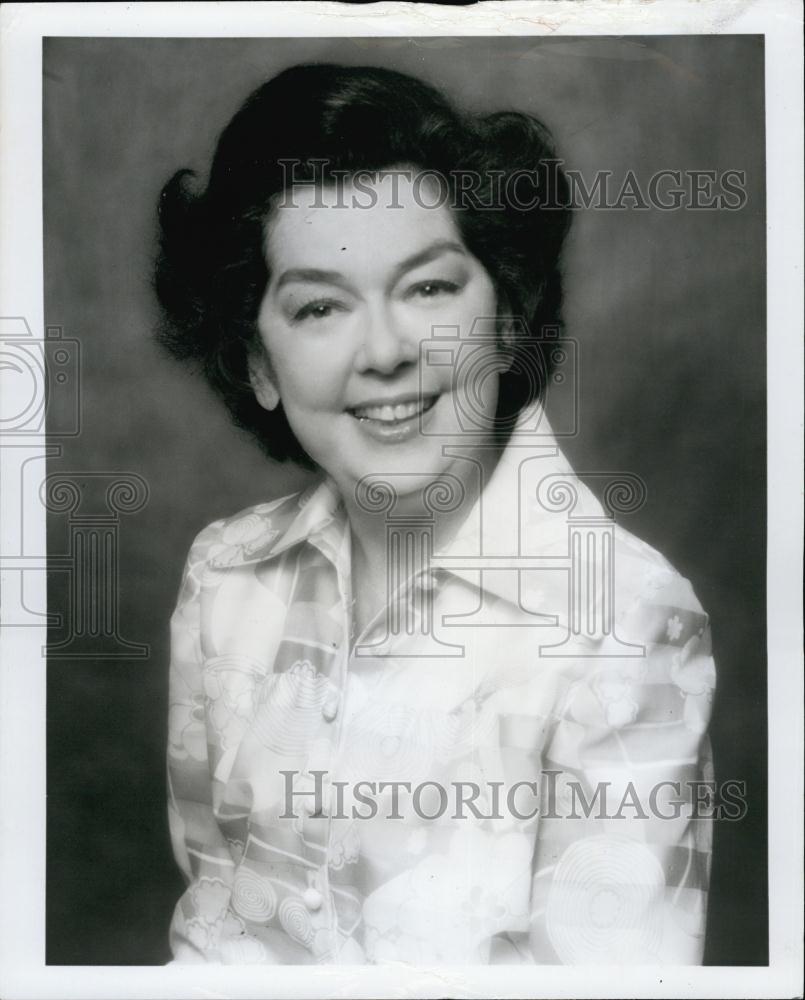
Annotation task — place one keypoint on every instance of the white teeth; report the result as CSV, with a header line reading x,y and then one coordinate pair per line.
x,y
392,414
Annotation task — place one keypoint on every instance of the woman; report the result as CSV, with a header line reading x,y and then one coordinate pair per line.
x,y
437,708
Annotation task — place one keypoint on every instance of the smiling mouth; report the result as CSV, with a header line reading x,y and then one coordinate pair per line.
x,y
397,413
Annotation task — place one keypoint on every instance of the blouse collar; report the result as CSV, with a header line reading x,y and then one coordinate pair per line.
x,y
517,514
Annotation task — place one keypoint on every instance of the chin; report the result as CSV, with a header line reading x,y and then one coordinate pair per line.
x,y
408,470
417,465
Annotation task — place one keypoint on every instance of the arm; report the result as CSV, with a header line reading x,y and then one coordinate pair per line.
x,y
199,845
623,876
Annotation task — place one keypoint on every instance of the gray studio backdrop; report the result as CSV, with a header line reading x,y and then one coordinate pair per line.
x,y
668,309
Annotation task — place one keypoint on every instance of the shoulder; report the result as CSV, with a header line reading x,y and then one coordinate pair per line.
x,y
249,524
653,601
655,665
244,534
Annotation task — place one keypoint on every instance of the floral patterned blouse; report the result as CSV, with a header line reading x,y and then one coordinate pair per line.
x,y
501,770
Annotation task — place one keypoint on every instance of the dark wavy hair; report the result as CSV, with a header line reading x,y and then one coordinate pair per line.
x,y
330,120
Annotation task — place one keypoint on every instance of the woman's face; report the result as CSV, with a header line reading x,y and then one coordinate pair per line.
x,y
352,294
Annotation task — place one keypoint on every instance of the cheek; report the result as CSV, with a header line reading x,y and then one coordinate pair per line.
x,y
307,374
485,300
308,387
479,304
477,373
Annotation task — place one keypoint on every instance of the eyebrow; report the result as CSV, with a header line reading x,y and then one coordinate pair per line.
x,y
314,275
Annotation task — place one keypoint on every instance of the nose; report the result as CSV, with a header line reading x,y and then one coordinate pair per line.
x,y
385,346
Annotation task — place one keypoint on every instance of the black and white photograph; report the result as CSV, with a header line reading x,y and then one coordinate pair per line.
x,y
402,512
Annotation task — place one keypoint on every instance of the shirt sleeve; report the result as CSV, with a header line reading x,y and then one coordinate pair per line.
x,y
199,845
622,860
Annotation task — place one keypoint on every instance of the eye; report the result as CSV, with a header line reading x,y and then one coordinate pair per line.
x,y
318,309
433,289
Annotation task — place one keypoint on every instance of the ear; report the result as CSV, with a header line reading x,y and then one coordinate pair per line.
x,y
506,329
508,335
508,340
263,381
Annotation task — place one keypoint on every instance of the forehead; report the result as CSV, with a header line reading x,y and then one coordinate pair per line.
x,y
362,224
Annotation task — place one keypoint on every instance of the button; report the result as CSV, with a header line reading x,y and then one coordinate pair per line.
x,y
330,707
312,899
324,944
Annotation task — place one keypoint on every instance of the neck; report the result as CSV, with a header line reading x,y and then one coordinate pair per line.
x,y
438,507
